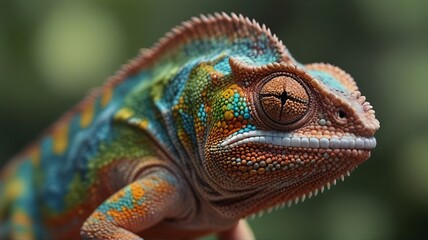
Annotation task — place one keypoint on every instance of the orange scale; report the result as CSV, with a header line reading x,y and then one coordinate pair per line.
x,y
137,191
99,216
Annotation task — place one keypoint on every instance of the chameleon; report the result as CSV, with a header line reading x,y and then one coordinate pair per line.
x,y
214,123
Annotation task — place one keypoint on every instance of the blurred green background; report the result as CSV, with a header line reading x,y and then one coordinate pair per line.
x,y
53,52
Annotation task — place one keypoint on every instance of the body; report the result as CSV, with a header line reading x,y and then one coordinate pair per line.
x,y
214,123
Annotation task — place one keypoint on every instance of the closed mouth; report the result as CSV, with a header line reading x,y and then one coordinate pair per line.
x,y
285,139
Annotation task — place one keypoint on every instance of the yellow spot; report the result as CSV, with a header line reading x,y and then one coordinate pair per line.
x,y
14,188
106,96
123,114
87,115
35,156
60,139
228,93
137,191
143,124
228,115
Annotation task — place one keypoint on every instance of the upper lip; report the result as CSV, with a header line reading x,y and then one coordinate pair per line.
x,y
289,140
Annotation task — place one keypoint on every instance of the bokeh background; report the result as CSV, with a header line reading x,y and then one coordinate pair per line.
x,y
53,52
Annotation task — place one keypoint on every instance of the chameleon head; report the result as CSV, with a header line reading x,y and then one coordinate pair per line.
x,y
285,131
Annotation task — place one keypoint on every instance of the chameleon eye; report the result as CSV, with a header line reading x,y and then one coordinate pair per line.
x,y
283,100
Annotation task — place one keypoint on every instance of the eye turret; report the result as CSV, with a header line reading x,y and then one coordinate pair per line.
x,y
283,100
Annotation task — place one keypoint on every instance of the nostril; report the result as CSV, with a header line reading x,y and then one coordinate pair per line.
x,y
341,114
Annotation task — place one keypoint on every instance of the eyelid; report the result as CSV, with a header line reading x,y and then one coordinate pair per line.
x,y
338,118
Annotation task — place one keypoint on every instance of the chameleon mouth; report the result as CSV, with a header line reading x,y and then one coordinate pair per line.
x,y
289,140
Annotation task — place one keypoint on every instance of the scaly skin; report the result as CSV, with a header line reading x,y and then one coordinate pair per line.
x,y
216,122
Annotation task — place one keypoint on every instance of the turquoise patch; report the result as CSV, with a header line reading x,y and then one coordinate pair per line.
x,y
202,115
328,80
223,66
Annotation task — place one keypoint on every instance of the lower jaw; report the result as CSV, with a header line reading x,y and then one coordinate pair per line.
x,y
300,192
252,157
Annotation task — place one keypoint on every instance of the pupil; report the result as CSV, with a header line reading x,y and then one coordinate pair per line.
x,y
284,97
342,114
